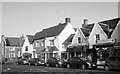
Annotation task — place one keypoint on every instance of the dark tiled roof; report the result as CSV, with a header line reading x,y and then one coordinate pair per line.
x,y
69,39
52,48
49,32
112,23
87,29
85,32
10,41
75,29
30,38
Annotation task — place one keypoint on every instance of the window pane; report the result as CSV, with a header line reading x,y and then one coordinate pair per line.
x,y
26,48
79,40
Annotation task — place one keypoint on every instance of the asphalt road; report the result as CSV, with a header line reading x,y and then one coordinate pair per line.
x,y
21,69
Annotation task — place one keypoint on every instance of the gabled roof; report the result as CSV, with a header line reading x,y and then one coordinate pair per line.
x,y
69,39
112,23
12,41
85,32
49,32
30,38
87,29
75,29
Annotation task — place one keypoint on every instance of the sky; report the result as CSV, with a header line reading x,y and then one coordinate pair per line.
x,y
30,17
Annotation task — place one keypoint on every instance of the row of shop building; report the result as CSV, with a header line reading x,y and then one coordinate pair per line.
x,y
64,41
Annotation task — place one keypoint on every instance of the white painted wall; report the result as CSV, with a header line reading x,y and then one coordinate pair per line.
x,y
96,30
67,31
30,46
78,33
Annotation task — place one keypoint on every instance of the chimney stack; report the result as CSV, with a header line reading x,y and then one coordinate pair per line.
x,y
67,20
85,22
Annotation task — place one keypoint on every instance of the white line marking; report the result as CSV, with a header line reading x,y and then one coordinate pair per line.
x,y
54,68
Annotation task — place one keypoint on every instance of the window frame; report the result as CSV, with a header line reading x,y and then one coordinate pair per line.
x,y
97,36
26,48
79,39
11,55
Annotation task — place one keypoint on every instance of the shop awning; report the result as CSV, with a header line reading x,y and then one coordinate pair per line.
x,y
104,45
77,49
50,49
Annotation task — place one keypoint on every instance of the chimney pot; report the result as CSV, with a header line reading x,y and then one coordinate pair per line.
x,y
85,22
67,20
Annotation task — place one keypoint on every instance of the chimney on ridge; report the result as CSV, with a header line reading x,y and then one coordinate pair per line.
x,y
67,20
85,22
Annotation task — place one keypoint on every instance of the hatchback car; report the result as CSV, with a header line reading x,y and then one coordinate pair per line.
x,y
22,61
36,61
53,62
76,62
112,63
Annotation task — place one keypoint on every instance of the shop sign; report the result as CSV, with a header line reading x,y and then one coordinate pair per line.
x,y
106,41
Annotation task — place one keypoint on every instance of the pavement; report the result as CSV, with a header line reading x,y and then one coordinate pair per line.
x,y
21,69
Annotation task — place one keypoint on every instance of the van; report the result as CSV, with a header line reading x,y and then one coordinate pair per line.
x,y
112,63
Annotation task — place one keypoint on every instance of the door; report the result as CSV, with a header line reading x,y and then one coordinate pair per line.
x,y
77,62
72,62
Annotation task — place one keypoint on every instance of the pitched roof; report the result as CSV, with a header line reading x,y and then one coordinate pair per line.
x,y
87,29
30,38
49,32
69,39
75,29
12,41
112,23
50,49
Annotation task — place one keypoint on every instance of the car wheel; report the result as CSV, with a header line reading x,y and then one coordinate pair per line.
x,y
36,64
56,65
68,65
47,65
83,66
107,68
29,64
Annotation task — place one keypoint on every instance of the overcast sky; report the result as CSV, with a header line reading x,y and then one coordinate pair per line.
x,y
30,17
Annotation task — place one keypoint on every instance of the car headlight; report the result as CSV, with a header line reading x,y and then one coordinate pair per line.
x,y
25,61
39,62
88,64
60,62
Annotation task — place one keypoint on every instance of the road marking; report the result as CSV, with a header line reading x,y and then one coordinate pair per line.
x,y
35,69
6,69
54,68
43,70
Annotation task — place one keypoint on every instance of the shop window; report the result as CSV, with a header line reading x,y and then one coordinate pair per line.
x,y
26,48
63,55
79,39
112,58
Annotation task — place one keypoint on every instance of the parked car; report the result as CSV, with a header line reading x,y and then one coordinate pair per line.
x,y
36,61
112,63
53,62
76,62
22,61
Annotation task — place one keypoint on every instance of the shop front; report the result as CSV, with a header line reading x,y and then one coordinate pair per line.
x,y
77,51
